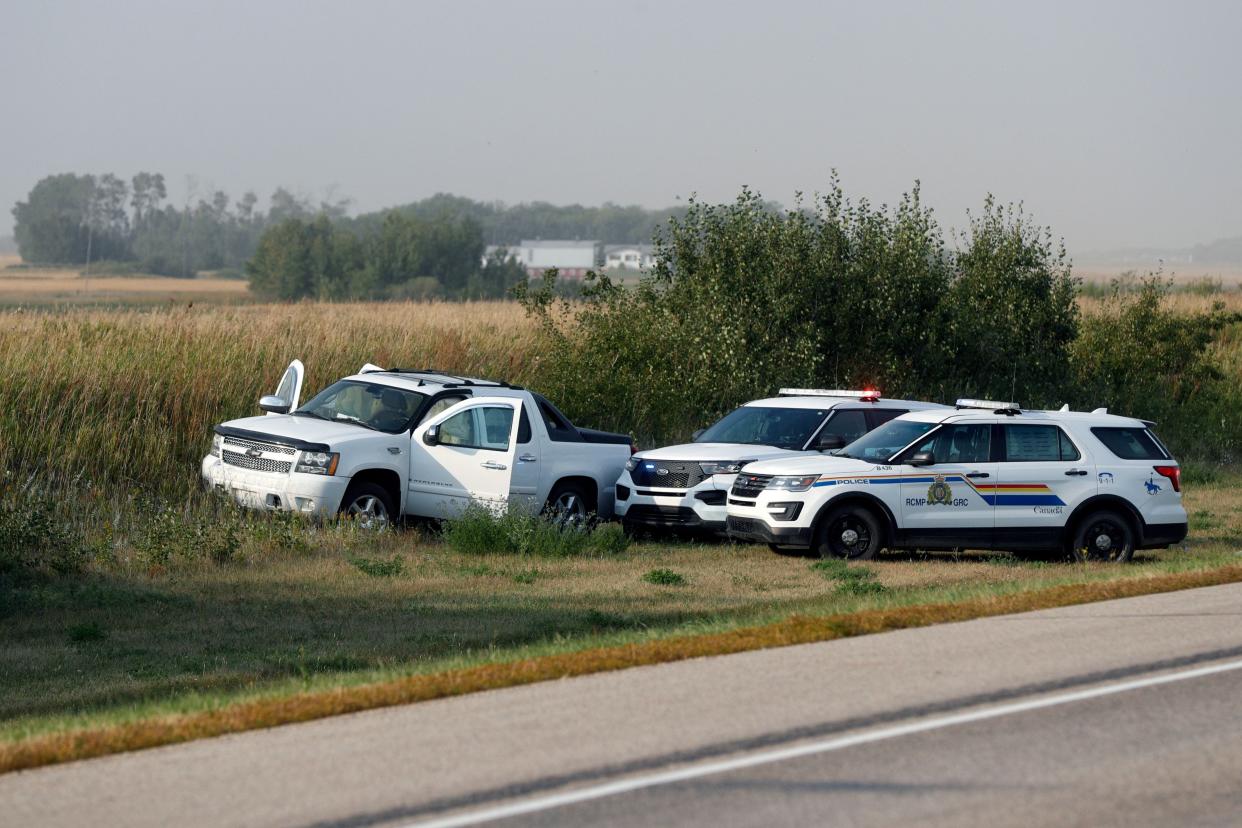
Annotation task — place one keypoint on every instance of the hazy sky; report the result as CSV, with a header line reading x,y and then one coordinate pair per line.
x,y
1116,123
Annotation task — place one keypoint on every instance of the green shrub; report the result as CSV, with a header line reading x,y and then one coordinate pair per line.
x,y
36,540
746,297
1139,358
479,530
665,577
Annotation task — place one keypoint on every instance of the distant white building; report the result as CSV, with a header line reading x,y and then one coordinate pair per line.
x,y
629,256
572,259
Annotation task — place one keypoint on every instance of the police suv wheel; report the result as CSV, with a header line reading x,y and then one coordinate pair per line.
x,y
1103,536
850,532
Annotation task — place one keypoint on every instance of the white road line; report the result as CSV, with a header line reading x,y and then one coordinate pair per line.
x,y
635,783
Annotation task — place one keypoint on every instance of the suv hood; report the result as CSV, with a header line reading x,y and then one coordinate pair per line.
x,y
700,452
306,430
817,464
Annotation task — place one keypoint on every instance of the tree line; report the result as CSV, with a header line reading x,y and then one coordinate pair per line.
x,y
397,256
71,219
296,248
844,294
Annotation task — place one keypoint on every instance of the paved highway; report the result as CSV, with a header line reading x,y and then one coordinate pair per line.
x,y
1125,712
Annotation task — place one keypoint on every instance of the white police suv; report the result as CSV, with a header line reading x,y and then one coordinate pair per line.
x,y
987,475
685,486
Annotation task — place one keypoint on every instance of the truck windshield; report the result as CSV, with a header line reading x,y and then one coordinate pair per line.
x,y
885,441
787,428
366,404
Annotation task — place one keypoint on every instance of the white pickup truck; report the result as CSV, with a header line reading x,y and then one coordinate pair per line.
x,y
386,443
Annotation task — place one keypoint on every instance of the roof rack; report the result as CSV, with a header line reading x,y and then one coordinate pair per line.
x,y
1007,408
866,395
453,380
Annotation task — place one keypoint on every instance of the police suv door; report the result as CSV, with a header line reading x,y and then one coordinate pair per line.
x,y
945,504
1043,476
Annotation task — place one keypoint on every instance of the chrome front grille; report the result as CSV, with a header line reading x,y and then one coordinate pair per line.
x,y
263,464
242,445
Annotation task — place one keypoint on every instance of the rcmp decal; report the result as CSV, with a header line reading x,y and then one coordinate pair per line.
x,y
939,491
993,494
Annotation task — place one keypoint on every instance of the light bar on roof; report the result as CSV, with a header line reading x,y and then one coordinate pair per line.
x,y
991,405
867,394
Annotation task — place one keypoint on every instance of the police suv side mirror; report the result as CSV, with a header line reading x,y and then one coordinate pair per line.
x,y
923,458
830,442
274,404
432,436
698,432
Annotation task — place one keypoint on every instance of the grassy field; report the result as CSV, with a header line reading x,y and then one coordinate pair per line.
x,y
41,287
329,608
109,410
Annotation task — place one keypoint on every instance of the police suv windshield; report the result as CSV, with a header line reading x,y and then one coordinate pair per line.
x,y
366,404
885,441
787,428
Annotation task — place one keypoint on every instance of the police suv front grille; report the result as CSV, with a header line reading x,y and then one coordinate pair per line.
x,y
270,448
744,526
667,474
262,464
749,485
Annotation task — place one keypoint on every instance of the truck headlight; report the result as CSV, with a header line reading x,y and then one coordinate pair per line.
x,y
793,483
217,445
633,463
722,467
318,462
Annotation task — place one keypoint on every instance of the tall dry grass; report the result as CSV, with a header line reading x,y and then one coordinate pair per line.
x,y
129,397
126,398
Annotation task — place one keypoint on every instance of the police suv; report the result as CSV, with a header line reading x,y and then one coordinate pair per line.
x,y
987,475
685,486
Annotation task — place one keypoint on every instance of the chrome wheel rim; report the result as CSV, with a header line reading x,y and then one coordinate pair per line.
x,y
569,509
368,512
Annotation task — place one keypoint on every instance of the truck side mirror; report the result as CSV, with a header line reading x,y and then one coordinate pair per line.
x,y
923,458
432,436
274,404
698,432
830,442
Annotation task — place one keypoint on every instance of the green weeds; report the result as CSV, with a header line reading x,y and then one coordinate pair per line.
x,y
850,580
479,530
665,577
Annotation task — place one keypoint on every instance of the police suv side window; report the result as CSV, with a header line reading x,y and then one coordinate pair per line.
x,y
877,417
849,424
1037,443
1131,443
963,443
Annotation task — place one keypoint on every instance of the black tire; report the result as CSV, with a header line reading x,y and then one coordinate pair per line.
x,y
569,504
850,532
368,506
1104,536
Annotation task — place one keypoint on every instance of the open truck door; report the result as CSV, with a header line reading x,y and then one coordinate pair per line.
x,y
464,455
288,395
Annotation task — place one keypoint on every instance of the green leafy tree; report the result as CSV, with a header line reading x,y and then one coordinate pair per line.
x,y
745,298
1138,357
